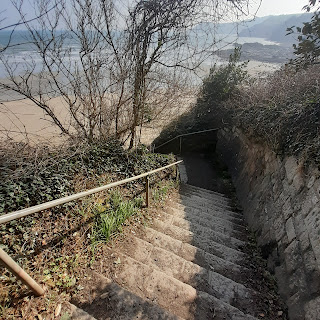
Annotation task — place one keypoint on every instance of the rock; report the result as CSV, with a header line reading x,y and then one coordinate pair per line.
x,y
290,230
291,167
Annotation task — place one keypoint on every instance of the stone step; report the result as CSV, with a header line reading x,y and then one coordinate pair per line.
x,y
200,241
199,225
210,217
189,187
110,301
202,279
205,213
201,203
215,224
209,198
177,297
217,211
196,255
202,227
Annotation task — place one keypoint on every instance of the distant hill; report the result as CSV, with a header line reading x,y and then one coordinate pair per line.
x,y
235,28
274,28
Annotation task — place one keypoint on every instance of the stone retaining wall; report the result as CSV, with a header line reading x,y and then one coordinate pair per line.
x,y
281,202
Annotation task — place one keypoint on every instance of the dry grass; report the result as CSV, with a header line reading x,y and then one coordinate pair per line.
x,y
282,110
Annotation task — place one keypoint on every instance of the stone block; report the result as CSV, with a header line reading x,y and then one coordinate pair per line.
x,y
310,201
286,188
298,181
291,233
295,307
312,222
287,209
310,262
264,239
311,182
299,225
297,281
316,188
279,233
312,309
292,256
304,241
282,170
291,166
276,189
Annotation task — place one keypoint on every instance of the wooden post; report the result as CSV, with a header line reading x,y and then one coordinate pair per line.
x,y
20,273
180,144
147,192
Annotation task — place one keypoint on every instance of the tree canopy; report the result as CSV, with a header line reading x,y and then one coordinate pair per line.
x,y
307,49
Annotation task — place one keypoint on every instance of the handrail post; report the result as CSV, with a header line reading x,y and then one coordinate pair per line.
x,y
147,191
11,265
177,173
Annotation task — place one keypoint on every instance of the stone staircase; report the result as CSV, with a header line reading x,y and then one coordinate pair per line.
x,y
187,264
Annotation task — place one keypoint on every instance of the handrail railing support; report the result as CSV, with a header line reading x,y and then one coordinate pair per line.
x,y
177,173
11,265
147,191
183,135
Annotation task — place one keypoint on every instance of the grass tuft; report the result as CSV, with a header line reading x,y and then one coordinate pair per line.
x,y
110,218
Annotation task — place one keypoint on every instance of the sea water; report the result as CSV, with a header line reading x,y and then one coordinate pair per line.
x,y
19,50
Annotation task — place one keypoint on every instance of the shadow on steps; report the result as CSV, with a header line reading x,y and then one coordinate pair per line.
x,y
189,261
110,301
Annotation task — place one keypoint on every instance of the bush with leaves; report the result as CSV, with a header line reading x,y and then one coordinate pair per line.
x,y
282,111
308,48
221,83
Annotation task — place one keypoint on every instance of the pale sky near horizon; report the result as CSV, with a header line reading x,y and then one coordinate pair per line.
x,y
277,7
268,7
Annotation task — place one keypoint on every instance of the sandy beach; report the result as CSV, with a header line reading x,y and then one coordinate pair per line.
x,y
22,120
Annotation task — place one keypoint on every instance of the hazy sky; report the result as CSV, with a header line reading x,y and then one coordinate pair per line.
x,y
276,7
268,7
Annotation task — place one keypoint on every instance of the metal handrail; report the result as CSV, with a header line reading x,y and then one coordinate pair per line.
x,y
185,134
15,268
